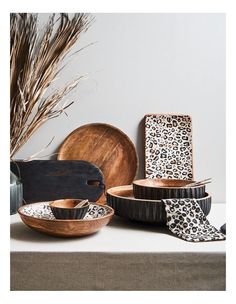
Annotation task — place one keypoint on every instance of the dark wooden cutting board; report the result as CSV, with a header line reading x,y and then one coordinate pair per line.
x,y
46,180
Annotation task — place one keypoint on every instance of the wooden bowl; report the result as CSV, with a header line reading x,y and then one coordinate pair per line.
x,y
65,209
39,216
121,199
156,189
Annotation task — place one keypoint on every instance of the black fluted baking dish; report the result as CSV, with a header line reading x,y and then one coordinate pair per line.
x,y
157,189
65,209
121,199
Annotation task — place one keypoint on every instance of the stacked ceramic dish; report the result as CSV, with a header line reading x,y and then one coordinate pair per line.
x,y
142,201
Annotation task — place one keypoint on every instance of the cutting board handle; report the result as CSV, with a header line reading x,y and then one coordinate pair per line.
x,y
96,183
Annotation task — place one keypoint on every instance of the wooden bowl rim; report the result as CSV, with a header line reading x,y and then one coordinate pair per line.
x,y
111,213
141,183
130,188
165,114
67,208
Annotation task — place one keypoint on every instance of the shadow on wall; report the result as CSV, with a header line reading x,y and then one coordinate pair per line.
x,y
140,142
55,152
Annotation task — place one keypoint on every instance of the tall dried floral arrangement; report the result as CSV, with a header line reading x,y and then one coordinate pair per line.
x,y
35,61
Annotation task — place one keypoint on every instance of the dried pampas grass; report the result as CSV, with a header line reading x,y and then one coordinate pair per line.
x,y
35,61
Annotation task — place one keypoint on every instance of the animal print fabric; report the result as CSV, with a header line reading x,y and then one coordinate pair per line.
x,y
186,220
168,146
43,211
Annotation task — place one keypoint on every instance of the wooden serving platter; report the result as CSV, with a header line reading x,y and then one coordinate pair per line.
x,y
46,180
168,146
38,216
105,146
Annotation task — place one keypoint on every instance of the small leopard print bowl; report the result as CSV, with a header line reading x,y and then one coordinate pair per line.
x,y
157,189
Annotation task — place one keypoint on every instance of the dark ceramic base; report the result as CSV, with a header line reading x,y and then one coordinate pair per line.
x,y
152,193
69,214
147,210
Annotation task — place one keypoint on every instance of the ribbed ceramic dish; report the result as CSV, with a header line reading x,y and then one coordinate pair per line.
x,y
64,209
157,189
121,199
39,216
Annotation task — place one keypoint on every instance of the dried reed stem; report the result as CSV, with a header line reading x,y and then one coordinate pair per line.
x,y
35,60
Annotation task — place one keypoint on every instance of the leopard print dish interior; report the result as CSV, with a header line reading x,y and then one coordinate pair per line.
x,y
168,146
43,211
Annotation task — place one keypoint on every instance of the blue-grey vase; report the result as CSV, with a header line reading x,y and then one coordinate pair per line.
x,y
16,193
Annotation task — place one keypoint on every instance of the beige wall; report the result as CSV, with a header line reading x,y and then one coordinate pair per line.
x,y
150,63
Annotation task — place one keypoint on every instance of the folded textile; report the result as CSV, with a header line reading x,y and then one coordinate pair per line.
x,y
223,228
186,219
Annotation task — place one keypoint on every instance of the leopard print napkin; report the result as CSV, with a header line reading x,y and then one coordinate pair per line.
x,y
186,219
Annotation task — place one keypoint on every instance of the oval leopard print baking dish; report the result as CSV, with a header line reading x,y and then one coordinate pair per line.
x,y
121,199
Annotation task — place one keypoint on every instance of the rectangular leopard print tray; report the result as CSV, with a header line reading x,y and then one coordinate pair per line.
x,y
168,146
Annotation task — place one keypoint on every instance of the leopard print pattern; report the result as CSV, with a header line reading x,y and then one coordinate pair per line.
x,y
186,220
43,211
168,146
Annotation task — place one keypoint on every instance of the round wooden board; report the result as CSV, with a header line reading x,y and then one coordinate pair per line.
x,y
108,148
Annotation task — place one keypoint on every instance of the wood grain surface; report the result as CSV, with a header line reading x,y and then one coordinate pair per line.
x,y
66,228
47,180
105,146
